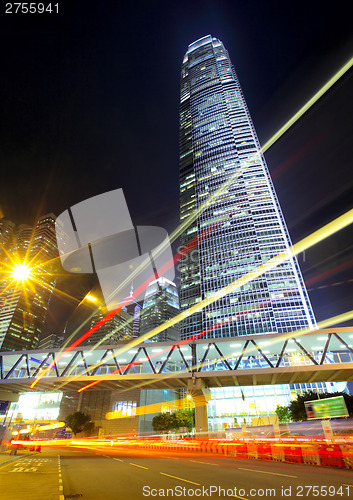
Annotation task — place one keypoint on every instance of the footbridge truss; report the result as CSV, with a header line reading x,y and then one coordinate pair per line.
x,y
290,358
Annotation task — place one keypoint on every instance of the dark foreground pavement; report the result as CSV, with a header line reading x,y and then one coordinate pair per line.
x,y
111,474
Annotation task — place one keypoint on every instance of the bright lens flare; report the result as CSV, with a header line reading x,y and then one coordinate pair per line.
x,y
91,298
21,272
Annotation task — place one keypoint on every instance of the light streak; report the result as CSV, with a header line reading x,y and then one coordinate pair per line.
x,y
325,274
309,104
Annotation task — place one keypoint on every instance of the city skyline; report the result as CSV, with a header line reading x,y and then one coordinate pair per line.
x,y
89,141
90,106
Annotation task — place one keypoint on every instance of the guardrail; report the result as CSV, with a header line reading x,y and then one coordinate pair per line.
x,y
321,453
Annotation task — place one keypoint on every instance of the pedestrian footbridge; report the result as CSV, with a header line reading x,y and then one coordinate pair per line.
x,y
289,358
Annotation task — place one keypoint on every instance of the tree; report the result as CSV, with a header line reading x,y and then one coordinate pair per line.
x,y
283,413
297,407
77,421
173,421
161,422
88,428
183,418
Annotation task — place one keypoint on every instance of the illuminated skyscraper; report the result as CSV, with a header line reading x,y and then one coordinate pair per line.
x,y
161,304
24,302
6,233
225,189
118,328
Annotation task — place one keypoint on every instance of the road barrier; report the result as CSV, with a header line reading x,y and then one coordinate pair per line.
x,y
329,454
310,454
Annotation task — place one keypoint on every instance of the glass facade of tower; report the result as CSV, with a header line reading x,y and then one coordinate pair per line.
x,y
161,303
24,304
117,329
226,191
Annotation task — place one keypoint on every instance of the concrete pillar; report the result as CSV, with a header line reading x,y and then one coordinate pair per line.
x,y
200,395
79,403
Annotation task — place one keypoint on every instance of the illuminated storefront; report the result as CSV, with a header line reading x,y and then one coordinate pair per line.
x,y
35,406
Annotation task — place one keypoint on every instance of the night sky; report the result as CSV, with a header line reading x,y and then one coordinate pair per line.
x,y
89,103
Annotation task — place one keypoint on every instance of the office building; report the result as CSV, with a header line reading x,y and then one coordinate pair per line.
x,y
161,304
51,341
6,233
229,206
117,329
134,309
225,189
24,299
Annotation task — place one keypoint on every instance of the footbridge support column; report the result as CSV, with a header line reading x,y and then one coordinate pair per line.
x,y
201,395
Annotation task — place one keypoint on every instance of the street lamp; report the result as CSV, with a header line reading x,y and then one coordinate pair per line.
x,y
190,400
21,272
90,298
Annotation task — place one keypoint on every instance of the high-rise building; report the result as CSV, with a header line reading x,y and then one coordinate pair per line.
x,y
161,304
229,207
6,233
24,299
118,328
134,309
226,190
51,341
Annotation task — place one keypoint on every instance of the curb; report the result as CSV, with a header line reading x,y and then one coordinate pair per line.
x,y
19,458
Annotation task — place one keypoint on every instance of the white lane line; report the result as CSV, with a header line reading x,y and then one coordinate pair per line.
x,y
118,459
141,467
199,462
180,479
264,472
106,456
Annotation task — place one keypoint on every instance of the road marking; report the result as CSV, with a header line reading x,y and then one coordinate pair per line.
x,y
350,485
23,469
106,456
141,467
264,472
199,462
118,459
180,479
61,486
236,496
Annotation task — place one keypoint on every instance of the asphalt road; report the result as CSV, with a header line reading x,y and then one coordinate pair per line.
x,y
104,473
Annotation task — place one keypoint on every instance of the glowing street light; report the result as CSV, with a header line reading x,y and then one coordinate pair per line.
x,y
90,298
21,272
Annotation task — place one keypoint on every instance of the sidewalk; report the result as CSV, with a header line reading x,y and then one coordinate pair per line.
x,y
6,457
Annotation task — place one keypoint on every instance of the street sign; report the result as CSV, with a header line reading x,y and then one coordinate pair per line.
x,y
326,408
4,406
